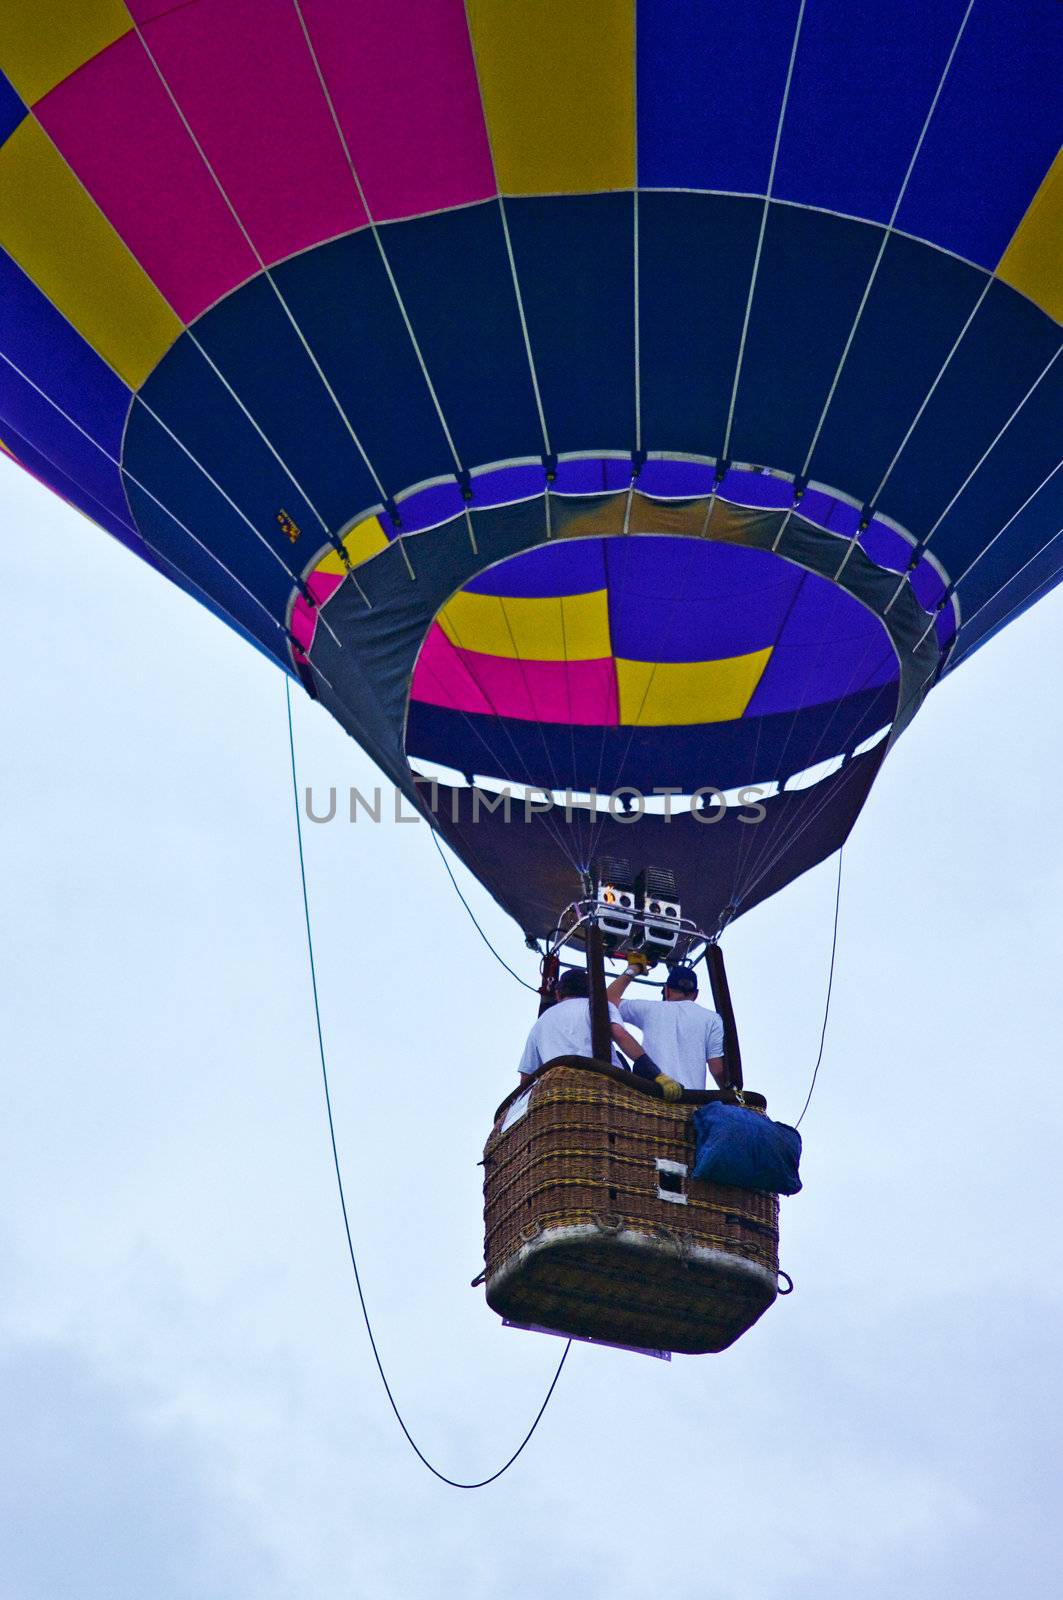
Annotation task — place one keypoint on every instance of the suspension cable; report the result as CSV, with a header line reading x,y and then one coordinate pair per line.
x,y
472,918
454,1483
830,986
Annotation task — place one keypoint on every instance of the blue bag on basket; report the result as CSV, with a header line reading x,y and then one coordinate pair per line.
x,y
744,1148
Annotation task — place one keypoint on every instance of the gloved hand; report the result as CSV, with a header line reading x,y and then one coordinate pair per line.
x,y
669,1087
637,964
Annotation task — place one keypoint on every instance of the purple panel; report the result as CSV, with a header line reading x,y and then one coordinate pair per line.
x,y
710,85
677,480
827,511
885,547
596,475
507,484
757,489
53,355
52,477
995,131
823,611
686,600
23,411
831,647
426,509
927,584
572,566
945,626
864,81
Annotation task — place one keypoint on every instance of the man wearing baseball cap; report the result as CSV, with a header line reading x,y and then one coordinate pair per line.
x,y
681,1036
565,1030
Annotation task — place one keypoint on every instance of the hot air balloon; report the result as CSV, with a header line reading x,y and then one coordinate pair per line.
x,y
637,408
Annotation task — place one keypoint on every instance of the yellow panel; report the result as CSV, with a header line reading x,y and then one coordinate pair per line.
x,y
671,692
63,241
44,41
557,78
575,628
361,542
1033,261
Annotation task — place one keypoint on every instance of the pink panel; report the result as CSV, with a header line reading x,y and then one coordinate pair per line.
x,y
323,585
582,692
304,623
244,78
441,678
402,76
114,124
144,10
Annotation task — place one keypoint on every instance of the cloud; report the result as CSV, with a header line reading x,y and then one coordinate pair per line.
x,y
99,1500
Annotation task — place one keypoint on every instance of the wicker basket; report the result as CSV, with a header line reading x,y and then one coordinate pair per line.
x,y
594,1228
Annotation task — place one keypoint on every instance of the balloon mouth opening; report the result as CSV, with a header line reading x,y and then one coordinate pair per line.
x,y
649,652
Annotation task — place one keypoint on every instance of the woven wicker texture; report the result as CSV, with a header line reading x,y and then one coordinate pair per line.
x,y
585,1232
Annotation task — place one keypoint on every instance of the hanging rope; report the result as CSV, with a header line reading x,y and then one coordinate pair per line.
x,y
830,986
472,918
454,1483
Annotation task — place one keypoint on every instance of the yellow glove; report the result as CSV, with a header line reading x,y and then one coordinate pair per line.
x,y
669,1088
637,963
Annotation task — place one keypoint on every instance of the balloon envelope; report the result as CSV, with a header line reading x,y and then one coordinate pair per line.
x,y
576,398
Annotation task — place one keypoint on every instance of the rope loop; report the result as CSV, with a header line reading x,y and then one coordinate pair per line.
x,y
454,1483
608,1221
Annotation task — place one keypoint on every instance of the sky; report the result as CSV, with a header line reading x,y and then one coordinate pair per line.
x,y
188,1406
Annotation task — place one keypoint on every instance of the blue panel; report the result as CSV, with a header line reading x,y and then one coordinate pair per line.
x,y
1006,347
59,443
252,341
1013,565
343,302
813,271
695,259
575,259
710,87
12,110
864,81
189,398
1044,573
725,753
121,527
275,652
1025,456
995,131
44,345
157,462
455,279
205,580
919,303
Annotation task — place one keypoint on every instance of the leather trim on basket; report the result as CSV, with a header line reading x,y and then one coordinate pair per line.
x,y
690,1097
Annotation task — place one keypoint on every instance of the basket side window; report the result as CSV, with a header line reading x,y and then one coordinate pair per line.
x,y
671,1181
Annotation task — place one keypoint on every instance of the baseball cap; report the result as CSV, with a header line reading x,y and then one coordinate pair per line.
x,y
683,978
573,984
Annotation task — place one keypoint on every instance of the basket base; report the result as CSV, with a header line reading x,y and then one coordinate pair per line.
x,y
631,1288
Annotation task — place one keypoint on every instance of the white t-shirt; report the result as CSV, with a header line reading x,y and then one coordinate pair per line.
x,y
679,1035
563,1030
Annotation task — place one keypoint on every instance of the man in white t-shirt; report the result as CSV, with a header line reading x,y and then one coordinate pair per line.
x,y
681,1036
565,1030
